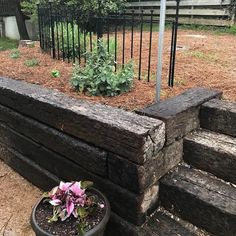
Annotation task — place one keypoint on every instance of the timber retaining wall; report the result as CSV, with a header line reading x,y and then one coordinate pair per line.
x,y
47,136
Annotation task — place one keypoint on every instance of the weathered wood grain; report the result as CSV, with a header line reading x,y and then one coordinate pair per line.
x,y
219,116
125,133
89,157
130,206
180,113
212,152
31,171
158,224
202,200
137,178
161,224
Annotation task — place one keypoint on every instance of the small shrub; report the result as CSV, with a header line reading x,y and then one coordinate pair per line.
x,y
32,62
55,73
98,77
15,53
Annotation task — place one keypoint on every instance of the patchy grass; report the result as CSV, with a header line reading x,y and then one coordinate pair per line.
x,y
203,56
6,44
213,29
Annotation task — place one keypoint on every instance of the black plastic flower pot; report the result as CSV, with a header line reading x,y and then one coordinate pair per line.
x,y
98,230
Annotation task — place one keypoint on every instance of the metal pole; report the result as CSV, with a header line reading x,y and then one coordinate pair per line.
x,y
160,48
171,82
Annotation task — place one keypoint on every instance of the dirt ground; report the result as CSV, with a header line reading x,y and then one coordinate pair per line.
x,y
16,201
203,59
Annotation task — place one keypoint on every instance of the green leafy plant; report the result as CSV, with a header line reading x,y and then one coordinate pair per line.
x,y
32,62
73,36
15,53
99,78
55,73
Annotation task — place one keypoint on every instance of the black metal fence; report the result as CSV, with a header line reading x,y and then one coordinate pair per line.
x,y
7,7
67,34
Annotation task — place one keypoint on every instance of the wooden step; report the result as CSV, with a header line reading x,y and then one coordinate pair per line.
x,y
212,152
162,223
201,199
219,116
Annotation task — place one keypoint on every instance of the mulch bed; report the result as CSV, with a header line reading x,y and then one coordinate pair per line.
x,y
207,60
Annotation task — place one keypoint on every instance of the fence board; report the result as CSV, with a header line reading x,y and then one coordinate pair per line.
x,y
188,12
209,12
182,3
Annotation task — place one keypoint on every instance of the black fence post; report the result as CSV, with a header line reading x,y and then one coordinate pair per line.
x,y
39,25
52,29
99,23
173,46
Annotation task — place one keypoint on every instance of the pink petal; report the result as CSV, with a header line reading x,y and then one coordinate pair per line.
x,y
64,186
69,207
76,189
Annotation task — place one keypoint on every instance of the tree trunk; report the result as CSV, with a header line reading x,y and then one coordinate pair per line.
x,y
21,22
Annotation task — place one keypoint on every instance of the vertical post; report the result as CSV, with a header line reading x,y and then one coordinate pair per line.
x,y
150,46
140,47
123,48
100,26
39,25
132,35
52,30
174,43
160,49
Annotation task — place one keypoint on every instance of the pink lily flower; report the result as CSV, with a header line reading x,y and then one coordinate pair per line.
x,y
76,189
64,186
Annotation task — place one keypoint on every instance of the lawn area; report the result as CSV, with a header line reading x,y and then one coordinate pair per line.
x,y
6,44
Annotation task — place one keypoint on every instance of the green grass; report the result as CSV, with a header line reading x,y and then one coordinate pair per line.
x,y
213,29
199,28
6,44
203,56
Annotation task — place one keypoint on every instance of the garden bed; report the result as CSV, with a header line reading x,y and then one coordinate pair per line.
x,y
203,59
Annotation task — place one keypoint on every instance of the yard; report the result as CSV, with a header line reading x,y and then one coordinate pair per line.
x,y
204,59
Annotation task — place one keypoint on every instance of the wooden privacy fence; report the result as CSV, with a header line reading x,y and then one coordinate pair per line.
x,y
208,12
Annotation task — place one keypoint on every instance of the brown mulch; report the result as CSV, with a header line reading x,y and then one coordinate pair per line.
x,y
207,60
203,61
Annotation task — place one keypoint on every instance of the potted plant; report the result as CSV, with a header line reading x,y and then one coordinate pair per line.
x,y
72,208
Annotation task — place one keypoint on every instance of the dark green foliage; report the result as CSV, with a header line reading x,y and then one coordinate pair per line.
x,y
86,6
98,77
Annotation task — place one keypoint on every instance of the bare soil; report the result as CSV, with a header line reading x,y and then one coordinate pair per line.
x,y
207,60
16,201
